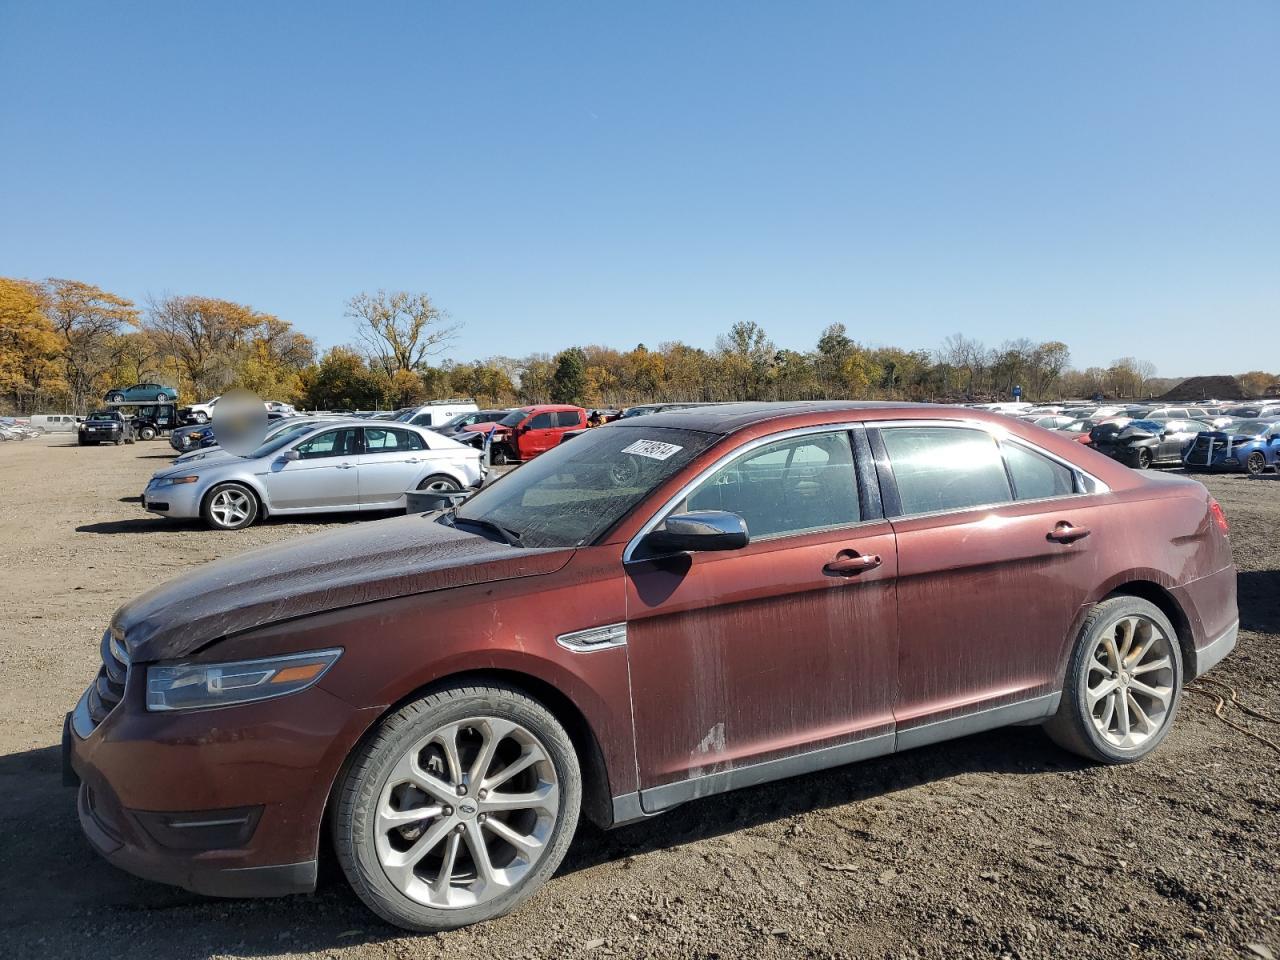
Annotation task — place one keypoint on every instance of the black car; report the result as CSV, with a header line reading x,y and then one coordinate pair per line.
x,y
457,425
155,419
106,426
1146,443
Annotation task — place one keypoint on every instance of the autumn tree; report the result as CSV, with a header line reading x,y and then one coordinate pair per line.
x,y
340,379
400,330
89,320
30,349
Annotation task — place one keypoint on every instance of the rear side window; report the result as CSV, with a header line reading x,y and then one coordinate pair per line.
x,y
1036,477
945,468
567,418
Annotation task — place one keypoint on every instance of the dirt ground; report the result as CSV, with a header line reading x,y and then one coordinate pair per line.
x,y
995,845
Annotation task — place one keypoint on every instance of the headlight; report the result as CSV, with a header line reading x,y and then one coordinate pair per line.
x,y
170,481
192,686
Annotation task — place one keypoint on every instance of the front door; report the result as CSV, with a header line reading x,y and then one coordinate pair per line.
x,y
324,475
392,462
763,662
538,435
996,548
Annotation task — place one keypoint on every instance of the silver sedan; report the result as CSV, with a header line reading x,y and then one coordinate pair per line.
x,y
329,467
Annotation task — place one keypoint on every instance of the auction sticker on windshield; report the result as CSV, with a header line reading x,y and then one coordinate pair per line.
x,y
653,449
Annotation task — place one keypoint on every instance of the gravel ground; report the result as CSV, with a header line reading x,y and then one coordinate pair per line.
x,y
995,845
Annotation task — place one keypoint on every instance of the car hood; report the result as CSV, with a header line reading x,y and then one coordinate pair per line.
x,y
361,563
492,426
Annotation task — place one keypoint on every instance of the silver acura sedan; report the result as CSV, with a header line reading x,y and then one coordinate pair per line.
x,y
329,467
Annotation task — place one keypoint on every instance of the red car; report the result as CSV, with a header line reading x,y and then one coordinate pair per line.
x,y
527,431
665,609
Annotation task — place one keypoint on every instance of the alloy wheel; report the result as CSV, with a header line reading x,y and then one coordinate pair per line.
x,y
1130,682
466,813
230,507
1256,463
440,485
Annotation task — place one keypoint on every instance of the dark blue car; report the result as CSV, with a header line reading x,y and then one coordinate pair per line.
x,y
1249,445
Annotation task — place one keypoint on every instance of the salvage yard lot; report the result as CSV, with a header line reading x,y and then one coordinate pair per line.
x,y
995,844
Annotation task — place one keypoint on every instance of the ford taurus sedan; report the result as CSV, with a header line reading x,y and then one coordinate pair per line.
x,y
329,467
670,607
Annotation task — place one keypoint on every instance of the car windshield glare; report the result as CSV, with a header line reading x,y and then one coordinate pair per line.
x,y
513,418
274,444
573,493
1249,428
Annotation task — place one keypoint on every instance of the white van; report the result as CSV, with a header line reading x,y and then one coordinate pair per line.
x,y
437,412
55,422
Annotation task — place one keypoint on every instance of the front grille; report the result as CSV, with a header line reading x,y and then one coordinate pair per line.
x,y
108,687
1201,452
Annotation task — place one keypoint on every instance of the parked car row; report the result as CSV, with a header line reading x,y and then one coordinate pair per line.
x,y
1198,436
14,429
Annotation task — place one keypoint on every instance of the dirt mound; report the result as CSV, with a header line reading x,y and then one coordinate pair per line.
x,y
1207,388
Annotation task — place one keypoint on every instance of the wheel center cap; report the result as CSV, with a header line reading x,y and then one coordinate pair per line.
x,y
467,808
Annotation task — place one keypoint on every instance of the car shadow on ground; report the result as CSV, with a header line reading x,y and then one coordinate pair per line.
x,y
157,524
56,876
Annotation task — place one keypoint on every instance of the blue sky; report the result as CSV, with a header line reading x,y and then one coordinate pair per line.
x,y
1105,174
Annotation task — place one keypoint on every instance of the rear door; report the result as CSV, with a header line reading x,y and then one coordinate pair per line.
x,y
996,552
392,461
324,475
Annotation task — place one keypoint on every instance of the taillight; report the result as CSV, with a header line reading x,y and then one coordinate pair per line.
x,y
1219,517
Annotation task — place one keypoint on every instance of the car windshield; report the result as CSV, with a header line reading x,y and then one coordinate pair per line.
x,y
576,491
1248,428
513,418
281,439
104,415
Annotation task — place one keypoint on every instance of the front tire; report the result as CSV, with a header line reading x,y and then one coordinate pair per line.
x,y
1123,685
1256,463
439,483
460,806
147,433
1144,459
230,506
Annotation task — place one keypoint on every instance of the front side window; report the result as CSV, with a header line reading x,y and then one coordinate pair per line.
x,y
1035,476
945,468
543,421
333,443
786,487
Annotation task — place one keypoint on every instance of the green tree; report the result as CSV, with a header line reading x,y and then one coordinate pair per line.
x,y
569,382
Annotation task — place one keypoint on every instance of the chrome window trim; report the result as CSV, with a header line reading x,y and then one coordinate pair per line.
x,y
999,435
661,513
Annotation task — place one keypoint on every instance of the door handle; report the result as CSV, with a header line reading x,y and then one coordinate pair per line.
x,y
1067,533
413,460
849,563
345,466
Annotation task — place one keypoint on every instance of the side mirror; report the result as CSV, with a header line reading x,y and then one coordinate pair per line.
x,y
701,530
292,455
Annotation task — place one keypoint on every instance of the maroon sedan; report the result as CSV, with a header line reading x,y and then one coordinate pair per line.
x,y
667,608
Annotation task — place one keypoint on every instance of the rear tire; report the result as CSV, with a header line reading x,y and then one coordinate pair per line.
x,y
1127,656
229,506
439,483
390,861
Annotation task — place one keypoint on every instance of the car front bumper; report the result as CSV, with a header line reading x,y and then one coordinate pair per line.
x,y
225,802
173,500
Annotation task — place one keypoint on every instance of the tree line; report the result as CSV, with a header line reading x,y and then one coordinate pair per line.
x,y
64,343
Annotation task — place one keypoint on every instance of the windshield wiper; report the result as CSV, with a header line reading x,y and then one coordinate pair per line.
x,y
512,537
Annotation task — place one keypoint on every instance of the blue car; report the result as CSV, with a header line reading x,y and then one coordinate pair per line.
x,y
143,393
1249,445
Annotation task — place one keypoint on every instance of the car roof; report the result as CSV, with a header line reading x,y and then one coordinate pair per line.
x,y
727,418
